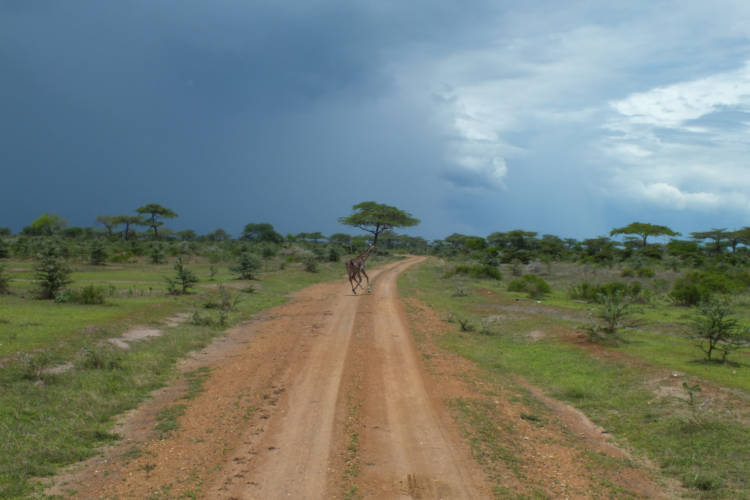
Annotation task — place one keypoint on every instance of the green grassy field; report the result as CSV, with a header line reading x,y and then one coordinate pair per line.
x,y
704,445
49,419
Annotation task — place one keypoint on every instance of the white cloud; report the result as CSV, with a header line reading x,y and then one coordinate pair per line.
x,y
673,105
671,150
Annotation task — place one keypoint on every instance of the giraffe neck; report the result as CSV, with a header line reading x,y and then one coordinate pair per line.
x,y
364,255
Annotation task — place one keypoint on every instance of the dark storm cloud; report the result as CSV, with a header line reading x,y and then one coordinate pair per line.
x,y
198,105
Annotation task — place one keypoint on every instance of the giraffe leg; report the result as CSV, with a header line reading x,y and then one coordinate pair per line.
x,y
368,279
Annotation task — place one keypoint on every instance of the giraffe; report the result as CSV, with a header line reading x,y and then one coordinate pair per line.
x,y
356,267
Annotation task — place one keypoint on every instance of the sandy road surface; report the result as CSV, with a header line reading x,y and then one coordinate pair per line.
x,y
323,397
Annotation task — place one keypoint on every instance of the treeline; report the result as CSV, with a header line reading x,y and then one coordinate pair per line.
x,y
702,248
123,237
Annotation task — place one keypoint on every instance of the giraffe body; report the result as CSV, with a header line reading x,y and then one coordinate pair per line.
x,y
355,268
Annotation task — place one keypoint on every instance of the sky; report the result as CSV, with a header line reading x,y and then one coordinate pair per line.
x,y
568,118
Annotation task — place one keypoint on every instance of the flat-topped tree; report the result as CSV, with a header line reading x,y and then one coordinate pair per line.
x,y
644,230
739,236
127,221
376,218
717,235
155,212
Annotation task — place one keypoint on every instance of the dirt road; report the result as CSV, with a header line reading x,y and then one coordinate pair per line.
x,y
323,398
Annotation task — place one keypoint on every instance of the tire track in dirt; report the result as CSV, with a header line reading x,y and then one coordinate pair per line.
x,y
410,448
291,461
404,448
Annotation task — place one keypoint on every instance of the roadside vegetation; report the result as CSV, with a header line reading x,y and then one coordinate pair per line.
x,y
605,326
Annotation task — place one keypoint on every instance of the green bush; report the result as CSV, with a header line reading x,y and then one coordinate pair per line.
x,y
248,264
645,272
627,272
333,254
89,295
52,273
716,329
184,279
597,293
100,358
699,286
4,281
97,253
612,314
534,286
481,271
310,263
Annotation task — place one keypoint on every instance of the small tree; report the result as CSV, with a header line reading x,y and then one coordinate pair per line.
x,y
644,230
612,315
97,253
127,221
52,272
376,218
4,280
109,222
248,264
4,252
716,330
718,235
157,254
184,279
263,232
46,225
155,212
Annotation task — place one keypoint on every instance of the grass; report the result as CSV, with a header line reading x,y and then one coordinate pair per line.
x,y
710,457
50,420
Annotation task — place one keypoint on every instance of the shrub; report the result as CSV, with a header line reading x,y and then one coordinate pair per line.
x,y
534,286
645,272
596,294
52,273
333,254
612,314
97,253
184,279
310,263
716,330
248,264
627,272
100,358
88,295
699,286
157,254
479,271
4,281
4,251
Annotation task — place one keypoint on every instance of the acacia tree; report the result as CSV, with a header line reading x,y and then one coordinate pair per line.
x,y
46,225
155,212
376,218
739,236
128,220
108,221
263,232
644,230
716,234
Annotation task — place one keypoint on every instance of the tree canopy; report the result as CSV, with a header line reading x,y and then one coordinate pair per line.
x,y
155,212
376,218
46,225
262,232
644,230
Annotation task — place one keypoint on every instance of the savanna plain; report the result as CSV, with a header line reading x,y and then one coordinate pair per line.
x,y
506,367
